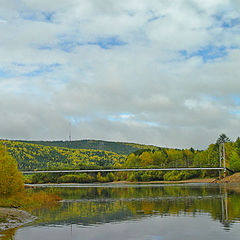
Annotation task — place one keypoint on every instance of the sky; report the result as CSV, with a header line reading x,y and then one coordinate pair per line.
x,y
147,71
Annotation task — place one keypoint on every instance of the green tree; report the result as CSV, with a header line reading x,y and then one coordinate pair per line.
x,y
159,158
223,138
146,159
234,161
132,161
213,155
237,145
11,180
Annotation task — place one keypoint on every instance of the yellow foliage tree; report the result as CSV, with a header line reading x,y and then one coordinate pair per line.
x,y
11,180
146,159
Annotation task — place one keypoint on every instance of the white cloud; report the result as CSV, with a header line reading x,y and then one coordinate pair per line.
x,y
157,72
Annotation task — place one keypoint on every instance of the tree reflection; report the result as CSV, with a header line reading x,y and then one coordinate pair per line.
x,y
97,205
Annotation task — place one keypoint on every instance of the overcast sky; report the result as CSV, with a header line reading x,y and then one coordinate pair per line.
x,y
148,71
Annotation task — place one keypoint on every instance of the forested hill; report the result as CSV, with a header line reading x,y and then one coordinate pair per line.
x,y
31,156
116,147
74,154
36,156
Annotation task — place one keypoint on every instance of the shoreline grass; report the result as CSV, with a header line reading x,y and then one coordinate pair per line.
x,y
27,200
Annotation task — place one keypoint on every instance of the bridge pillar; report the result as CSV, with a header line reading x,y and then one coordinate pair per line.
x,y
222,159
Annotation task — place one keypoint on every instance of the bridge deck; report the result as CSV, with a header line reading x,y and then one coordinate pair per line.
x,y
121,170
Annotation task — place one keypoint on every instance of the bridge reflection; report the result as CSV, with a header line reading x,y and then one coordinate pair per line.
x,y
98,204
224,206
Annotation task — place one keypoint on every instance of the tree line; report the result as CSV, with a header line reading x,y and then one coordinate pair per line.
x,y
33,156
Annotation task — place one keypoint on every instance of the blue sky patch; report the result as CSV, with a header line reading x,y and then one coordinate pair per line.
x,y
70,45
231,23
42,69
234,112
66,46
107,43
154,18
120,117
236,100
5,74
226,22
48,16
151,124
74,120
219,16
45,47
37,16
208,53
39,70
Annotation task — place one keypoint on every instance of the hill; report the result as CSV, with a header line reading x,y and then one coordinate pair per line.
x,y
32,155
116,147
37,156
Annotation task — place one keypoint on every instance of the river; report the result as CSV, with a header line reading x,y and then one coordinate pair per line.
x,y
137,212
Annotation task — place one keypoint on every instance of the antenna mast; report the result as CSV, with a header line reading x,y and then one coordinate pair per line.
x,y
70,132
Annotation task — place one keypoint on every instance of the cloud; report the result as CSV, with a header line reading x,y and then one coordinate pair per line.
x,y
155,72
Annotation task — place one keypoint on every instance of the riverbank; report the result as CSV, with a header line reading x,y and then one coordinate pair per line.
x,y
205,180
235,178
198,180
12,218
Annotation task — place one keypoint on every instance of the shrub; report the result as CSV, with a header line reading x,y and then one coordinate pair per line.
x,y
235,161
74,178
172,176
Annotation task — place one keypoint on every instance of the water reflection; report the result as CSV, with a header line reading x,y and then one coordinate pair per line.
x,y
98,207
224,205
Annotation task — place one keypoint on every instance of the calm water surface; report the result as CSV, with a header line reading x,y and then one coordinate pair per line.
x,y
141,212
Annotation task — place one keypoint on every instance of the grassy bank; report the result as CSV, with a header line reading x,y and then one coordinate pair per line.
x,y
28,200
13,196
12,206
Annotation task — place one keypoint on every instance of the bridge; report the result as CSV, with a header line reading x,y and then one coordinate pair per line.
x,y
222,161
124,170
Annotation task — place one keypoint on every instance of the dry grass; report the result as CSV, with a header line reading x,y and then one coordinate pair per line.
x,y
194,180
28,200
235,178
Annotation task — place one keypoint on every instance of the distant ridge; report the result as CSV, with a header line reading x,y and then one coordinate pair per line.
x,y
70,154
123,148
46,156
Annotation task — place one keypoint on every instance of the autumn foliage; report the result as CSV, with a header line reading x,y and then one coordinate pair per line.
x,y
11,180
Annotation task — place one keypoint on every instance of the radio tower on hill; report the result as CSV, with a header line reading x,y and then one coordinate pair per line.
x,y
70,133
